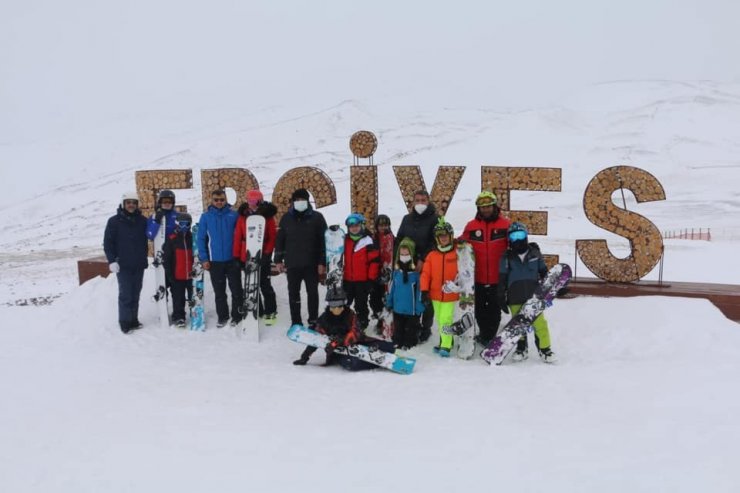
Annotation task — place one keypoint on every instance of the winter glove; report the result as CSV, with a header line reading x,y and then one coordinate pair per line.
x,y
450,287
243,210
425,298
114,267
385,276
548,303
159,215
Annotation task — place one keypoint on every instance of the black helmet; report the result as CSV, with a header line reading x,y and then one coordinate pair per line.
x,y
165,194
183,220
336,297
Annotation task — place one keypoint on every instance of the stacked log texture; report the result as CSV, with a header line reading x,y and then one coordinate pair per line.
x,y
363,144
410,179
646,243
149,183
312,179
239,179
364,192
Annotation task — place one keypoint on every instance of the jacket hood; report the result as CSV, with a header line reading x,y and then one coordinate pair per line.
x,y
406,243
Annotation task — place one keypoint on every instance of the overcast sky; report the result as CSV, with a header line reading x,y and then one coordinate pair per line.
x,y
73,63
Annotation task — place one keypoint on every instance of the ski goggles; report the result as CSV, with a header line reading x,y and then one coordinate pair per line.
x,y
517,235
183,224
336,303
352,221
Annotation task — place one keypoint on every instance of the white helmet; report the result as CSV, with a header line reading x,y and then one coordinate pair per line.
x,y
129,196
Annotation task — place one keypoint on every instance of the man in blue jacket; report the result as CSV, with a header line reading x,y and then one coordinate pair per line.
x,y
125,246
215,250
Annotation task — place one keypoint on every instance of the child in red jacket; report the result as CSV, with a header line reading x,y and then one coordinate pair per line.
x,y
361,266
178,266
256,204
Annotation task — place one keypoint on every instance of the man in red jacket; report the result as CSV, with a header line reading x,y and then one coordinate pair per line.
x,y
487,233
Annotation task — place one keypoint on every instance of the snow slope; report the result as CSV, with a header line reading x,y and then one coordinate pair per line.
x,y
641,401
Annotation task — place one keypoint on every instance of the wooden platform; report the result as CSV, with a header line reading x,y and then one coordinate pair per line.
x,y
726,297
92,267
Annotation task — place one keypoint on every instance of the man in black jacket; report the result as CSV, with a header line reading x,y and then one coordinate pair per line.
x,y
301,253
125,246
419,226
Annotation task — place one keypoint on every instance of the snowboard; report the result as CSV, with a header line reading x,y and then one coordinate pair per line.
x,y
503,344
390,361
386,254
255,233
160,278
334,241
197,310
464,327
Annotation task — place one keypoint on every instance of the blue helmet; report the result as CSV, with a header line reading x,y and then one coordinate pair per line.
x,y
517,231
354,218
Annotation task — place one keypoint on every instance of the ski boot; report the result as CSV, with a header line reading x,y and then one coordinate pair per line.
x,y
222,322
445,353
180,324
521,352
547,355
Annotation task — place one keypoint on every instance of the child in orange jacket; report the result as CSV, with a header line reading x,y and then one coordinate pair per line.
x,y
440,268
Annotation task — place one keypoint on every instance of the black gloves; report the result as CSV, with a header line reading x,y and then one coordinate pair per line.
x,y
384,277
159,214
243,210
425,298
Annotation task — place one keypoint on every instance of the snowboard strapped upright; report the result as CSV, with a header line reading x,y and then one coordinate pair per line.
x,y
503,344
334,241
160,278
255,234
197,309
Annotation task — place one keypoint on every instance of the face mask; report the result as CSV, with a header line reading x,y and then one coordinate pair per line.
x,y
300,205
420,208
519,246
404,258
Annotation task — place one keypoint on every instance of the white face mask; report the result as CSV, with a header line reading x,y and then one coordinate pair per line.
x,y
420,208
300,205
404,258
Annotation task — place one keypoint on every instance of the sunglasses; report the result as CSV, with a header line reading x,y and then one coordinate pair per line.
x,y
517,235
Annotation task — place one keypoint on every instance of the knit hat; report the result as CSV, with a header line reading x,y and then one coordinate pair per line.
x,y
254,196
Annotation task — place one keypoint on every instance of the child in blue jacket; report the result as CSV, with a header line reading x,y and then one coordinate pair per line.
x,y
404,297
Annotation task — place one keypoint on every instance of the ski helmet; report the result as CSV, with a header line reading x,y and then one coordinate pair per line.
x,y
335,296
443,228
354,218
129,196
485,199
517,231
183,220
165,194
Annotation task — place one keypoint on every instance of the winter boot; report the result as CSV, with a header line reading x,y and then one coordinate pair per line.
x,y
521,352
180,324
222,322
547,355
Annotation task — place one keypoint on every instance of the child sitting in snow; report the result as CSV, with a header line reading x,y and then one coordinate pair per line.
x,y
521,270
404,297
340,323
178,265
440,268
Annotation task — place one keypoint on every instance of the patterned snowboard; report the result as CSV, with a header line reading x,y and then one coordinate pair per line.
x,y
334,240
464,284
502,345
390,361
255,234
197,309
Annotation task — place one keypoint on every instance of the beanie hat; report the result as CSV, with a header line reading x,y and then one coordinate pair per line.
x,y
254,196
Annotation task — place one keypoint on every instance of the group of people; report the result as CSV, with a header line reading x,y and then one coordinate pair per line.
x,y
411,279
221,245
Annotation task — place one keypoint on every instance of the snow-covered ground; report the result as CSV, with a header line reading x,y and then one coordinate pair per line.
x,y
643,398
